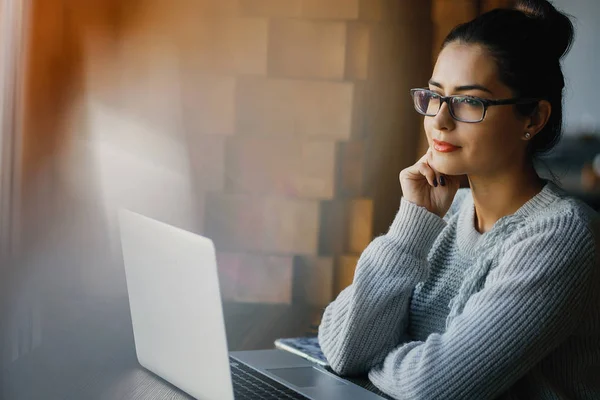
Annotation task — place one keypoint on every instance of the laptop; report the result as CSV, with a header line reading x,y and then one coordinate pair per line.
x,y
179,328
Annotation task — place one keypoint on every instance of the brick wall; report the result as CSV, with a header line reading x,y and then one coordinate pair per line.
x,y
296,114
296,110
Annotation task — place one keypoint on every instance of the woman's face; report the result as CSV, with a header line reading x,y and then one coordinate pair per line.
x,y
485,148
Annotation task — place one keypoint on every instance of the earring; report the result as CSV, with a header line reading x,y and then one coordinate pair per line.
x,y
527,135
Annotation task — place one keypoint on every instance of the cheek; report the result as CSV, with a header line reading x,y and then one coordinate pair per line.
x,y
494,143
484,148
505,119
428,128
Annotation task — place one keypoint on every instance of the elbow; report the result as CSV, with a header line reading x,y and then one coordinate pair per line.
x,y
343,367
339,357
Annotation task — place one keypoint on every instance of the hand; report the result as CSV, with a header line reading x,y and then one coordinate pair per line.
x,y
424,186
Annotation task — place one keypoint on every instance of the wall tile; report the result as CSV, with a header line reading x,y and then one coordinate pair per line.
x,y
307,49
292,107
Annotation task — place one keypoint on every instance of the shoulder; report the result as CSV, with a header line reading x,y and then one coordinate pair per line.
x,y
557,241
562,220
563,213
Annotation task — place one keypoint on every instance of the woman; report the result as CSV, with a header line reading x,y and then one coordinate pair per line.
x,y
488,292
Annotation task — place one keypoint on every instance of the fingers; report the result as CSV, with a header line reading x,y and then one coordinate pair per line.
x,y
426,157
423,168
428,172
419,171
441,179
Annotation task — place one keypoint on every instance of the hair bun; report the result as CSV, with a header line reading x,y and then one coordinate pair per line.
x,y
558,30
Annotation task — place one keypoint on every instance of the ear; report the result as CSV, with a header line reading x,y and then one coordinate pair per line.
x,y
539,117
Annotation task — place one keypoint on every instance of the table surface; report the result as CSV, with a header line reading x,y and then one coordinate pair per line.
x,y
90,352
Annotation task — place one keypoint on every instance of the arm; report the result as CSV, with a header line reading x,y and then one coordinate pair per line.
x,y
368,319
531,302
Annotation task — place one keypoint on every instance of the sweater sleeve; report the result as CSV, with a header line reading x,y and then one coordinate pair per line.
x,y
369,317
530,303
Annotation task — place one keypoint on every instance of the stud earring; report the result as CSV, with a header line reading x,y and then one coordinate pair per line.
x,y
527,135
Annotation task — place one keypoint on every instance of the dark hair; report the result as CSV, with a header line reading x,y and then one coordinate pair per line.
x,y
527,43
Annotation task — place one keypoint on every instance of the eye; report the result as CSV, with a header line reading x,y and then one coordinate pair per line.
x,y
469,101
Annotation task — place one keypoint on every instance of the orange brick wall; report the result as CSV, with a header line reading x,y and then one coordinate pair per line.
x,y
310,99
289,108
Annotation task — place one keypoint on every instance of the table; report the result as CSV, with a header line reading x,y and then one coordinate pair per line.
x,y
88,350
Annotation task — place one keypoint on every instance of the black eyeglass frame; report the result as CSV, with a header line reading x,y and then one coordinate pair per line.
x,y
486,103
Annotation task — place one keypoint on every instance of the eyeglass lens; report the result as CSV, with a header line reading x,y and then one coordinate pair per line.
x,y
462,108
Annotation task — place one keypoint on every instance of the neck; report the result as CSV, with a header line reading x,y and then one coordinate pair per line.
x,y
501,195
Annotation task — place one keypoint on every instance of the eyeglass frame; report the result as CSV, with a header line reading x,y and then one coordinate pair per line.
x,y
486,103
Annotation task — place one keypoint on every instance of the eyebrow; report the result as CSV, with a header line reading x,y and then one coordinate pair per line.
x,y
462,88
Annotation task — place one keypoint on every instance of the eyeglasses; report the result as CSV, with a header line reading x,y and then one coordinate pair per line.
x,y
462,108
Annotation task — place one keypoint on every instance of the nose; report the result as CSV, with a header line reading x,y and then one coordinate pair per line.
x,y
443,120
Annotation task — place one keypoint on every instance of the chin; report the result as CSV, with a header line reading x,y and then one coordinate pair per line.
x,y
447,164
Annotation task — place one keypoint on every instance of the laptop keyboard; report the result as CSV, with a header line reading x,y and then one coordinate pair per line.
x,y
252,385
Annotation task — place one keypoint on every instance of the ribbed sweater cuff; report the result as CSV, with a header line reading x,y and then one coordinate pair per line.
x,y
416,228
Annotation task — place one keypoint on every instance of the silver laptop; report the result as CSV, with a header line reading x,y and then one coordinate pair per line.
x,y
179,330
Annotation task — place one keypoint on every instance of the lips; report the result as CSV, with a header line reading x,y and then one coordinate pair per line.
x,y
444,147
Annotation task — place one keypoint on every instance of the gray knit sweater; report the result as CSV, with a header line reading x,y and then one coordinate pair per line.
x,y
439,311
